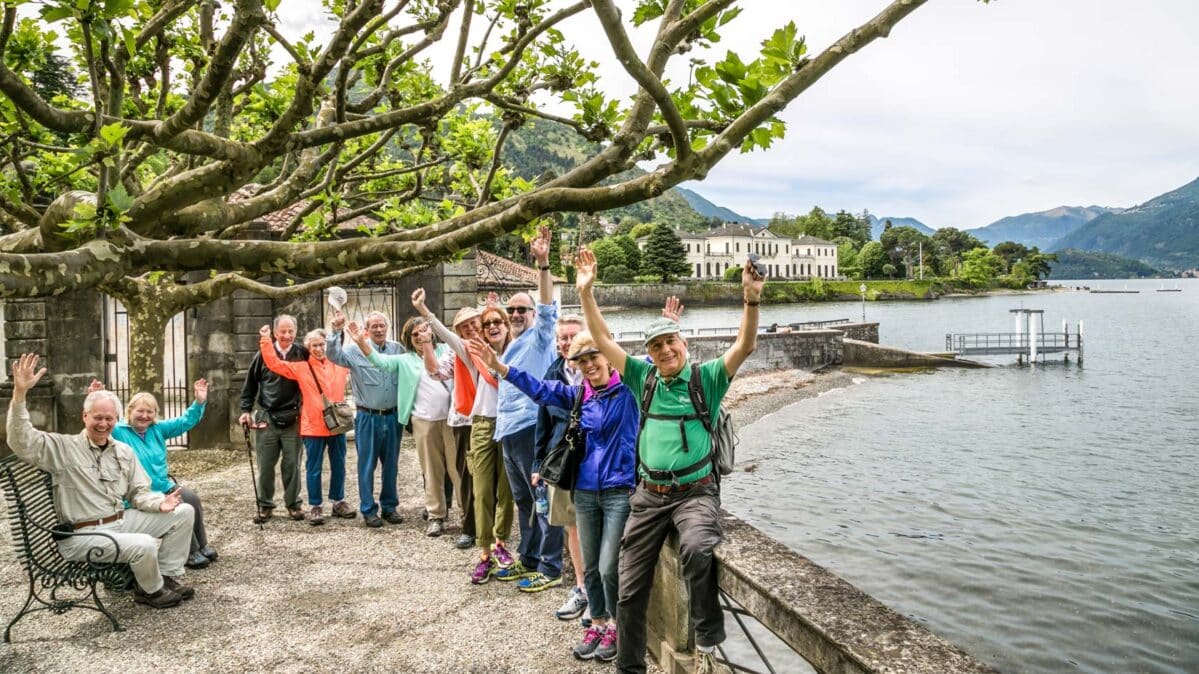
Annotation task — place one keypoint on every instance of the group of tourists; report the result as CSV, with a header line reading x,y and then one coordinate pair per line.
x,y
487,400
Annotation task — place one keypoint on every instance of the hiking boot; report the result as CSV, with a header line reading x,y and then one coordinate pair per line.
x,y
209,553
606,651
585,650
197,560
537,582
296,513
343,510
184,591
514,572
263,515
393,517
464,541
483,571
316,517
435,528
372,520
164,598
705,663
503,558
574,606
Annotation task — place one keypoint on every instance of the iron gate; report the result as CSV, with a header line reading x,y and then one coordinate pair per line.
x,y
176,389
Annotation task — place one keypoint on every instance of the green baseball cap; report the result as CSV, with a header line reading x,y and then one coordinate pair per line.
x,y
659,327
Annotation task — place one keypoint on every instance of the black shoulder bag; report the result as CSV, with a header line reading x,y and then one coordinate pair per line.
x,y
560,467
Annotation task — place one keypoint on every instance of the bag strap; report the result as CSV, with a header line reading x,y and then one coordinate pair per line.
x,y
576,412
318,383
695,388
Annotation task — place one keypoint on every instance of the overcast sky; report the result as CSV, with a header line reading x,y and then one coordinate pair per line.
x,y
968,112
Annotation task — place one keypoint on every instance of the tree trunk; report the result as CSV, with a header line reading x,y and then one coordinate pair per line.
x,y
147,338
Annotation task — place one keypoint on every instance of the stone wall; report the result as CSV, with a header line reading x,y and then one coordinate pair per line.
x,y
804,350
863,332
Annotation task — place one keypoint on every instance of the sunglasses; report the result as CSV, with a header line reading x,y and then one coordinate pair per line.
x,y
518,310
488,324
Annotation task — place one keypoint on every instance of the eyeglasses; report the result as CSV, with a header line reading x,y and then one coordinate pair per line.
x,y
518,310
488,324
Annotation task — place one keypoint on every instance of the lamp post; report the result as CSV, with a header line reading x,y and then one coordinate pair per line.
x,y
862,289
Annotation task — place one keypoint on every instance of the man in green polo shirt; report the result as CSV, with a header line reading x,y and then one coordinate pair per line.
x,y
677,488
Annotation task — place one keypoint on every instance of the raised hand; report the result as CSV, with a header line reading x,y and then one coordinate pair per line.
x,y
264,331
673,309
25,374
200,388
422,335
483,352
418,302
339,320
540,246
752,283
96,385
493,300
584,269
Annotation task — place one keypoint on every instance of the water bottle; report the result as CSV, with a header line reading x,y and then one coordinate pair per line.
x,y
543,500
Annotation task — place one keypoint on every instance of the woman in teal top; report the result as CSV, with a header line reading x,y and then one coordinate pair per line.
x,y
148,437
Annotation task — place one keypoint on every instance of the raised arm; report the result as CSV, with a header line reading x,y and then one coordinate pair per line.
x,y
333,345
443,333
28,443
540,248
551,393
585,282
747,336
190,417
271,359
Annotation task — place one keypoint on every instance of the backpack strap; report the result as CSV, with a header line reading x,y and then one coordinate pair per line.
x,y
695,388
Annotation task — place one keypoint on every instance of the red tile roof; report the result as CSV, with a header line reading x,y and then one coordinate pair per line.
x,y
494,273
280,219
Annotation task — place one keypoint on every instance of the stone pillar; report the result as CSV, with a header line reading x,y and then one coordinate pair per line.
x,y
25,332
671,642
76,353
211,354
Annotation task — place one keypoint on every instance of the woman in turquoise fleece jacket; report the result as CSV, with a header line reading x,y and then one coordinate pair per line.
x,y
141,430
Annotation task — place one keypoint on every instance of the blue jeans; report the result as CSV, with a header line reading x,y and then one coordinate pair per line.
x,y
600,518
314,450
377,437
540,544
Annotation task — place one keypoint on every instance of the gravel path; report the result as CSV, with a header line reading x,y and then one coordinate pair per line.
x,y
342,597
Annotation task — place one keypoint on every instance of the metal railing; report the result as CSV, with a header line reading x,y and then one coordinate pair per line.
x,y
1013,342
702,332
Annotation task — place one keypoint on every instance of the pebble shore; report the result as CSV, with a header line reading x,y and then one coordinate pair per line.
x,y
289,597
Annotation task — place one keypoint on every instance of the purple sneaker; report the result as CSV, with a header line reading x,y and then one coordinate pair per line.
x,y
503,558
482,572
591,641
606,651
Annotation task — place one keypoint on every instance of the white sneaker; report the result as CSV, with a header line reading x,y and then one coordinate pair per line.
x,y
574,606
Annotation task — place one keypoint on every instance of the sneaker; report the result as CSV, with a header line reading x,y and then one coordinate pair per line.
x,y
184,591
197,560
164,598
209,553
296,513
585,650
464,541
537,582
434,528
503,558
705,663
483,571
316,517
263,515
574,606
606,651
343,510
393,517
514,572
372,520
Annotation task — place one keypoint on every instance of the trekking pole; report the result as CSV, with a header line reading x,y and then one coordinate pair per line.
x,y
245,428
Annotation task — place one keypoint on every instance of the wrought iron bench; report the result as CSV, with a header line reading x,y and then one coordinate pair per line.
x,y
32,519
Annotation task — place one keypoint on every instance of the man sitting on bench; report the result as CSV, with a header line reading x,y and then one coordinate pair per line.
x,y
94,476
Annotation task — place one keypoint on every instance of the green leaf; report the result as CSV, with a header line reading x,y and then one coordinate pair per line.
x,y
113,134
117,8
130,41
52,14
271,5
85,210
119,199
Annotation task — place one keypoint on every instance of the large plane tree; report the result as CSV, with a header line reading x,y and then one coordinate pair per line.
x,y
191,119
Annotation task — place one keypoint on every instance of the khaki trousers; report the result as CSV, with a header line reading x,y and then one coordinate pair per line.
x,y
135,535
493,494
438,452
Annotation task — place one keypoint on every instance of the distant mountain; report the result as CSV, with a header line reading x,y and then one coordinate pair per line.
x,y
711,210
1041,229
1084,264
1162,232
877,224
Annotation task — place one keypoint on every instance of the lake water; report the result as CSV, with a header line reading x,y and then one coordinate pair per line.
x,y
1044,519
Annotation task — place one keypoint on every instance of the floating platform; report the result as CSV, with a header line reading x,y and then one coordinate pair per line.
x,y
1115,292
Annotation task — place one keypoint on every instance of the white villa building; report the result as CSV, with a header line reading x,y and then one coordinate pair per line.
x,y
711,253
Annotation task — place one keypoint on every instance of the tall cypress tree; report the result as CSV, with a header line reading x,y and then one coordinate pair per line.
x,y
664,255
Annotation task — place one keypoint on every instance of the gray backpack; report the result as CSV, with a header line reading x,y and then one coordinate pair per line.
x,y
724,436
